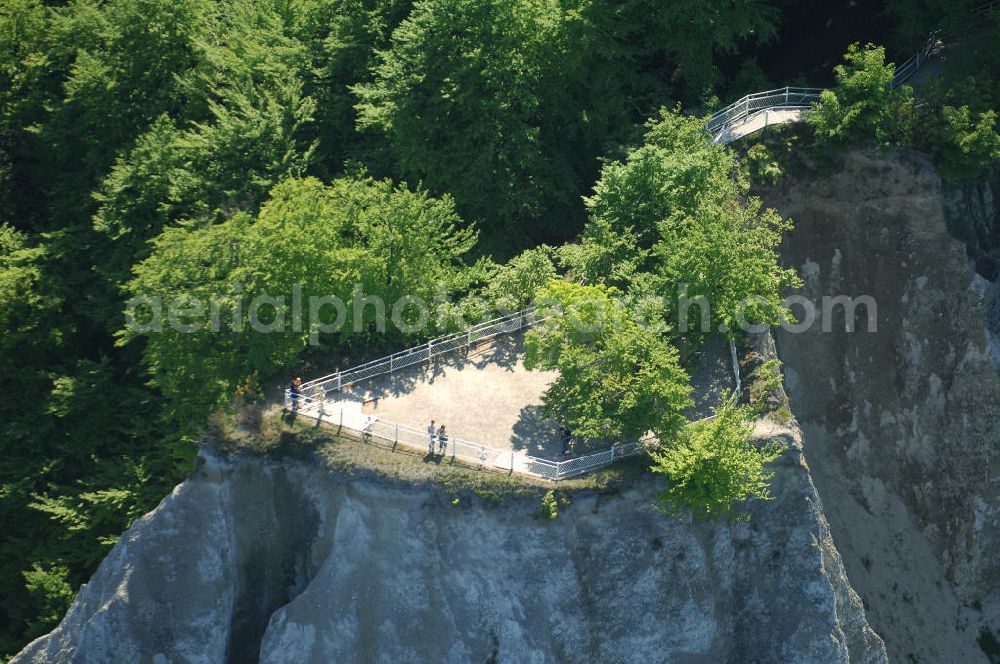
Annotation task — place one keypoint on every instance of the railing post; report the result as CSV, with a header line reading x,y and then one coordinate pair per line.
x,y
736,368
395,441
786,95
340,427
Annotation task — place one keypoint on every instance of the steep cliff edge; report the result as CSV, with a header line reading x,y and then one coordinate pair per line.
x,y
901,425
303,564
972,210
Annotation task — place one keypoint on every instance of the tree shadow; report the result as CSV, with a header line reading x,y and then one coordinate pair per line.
x,y
504,351
537,434
710,368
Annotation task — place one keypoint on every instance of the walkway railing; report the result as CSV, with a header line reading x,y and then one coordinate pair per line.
x,y
393,434
724,124
905,71
742,110
422,353
314,401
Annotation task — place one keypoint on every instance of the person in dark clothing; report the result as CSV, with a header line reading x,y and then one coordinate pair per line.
x,y
294,391
442,440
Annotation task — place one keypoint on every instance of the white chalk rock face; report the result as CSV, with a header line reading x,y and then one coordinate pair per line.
x,y
261,560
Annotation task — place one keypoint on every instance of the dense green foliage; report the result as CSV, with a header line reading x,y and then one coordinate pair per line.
x,y
955,121
958,126
962,141
673,223
515,285
354,239
670,226
862,107
550,508
713,466
507,104
219,151
617,379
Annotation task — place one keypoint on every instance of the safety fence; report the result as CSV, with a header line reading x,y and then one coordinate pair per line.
x,y
423,353
370,427
905,71
745,109
314,401
745,113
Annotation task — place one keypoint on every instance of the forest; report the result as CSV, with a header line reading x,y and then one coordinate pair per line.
x,y
459,150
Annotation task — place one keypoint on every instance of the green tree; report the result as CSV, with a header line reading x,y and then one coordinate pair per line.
x,y
251,126
714,466
325,240
958,126
125,64
71,431
27,307
617,380
28,81
51,593
675,171
515,284
673,220
862,107
725,257
961,141
693,33
645,53
345,37
467,98
550,508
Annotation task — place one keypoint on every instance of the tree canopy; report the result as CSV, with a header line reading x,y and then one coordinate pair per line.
x,y
714,466
863,106
674,221
618,380
357,237
203,151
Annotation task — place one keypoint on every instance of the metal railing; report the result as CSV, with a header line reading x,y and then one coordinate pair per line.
x,y
313,401
742,111
423,353
905,71
470,452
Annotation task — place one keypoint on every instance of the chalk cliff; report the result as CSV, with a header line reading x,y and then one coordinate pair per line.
x,y
901,424
291,562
